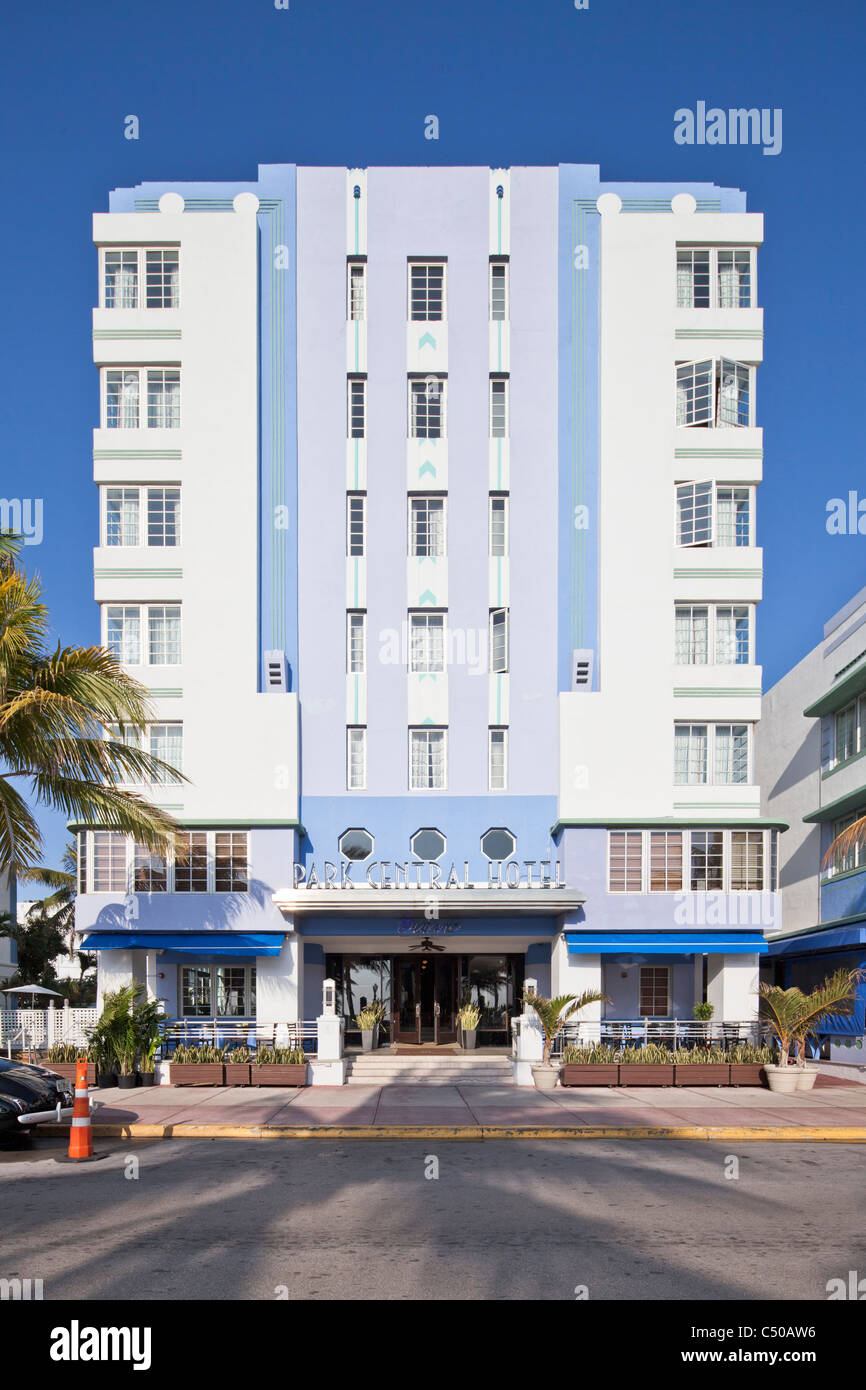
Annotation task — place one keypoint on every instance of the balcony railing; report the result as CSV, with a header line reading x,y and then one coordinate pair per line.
x,y
675,1032
222,1032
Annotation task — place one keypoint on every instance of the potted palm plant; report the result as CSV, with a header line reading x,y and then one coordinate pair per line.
x,y
145,1022
553,1014
470,1016
126,1051
832,998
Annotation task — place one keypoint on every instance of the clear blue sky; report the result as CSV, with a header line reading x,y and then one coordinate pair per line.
x,y
222,85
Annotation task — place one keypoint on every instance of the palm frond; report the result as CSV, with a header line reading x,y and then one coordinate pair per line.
x,y
843,844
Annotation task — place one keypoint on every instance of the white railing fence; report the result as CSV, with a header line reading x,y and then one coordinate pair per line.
x,y
675,1032
222,1032
27,1028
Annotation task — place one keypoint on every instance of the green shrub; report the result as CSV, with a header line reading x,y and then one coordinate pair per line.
x,y
652,1054
699,1056
749,1053
64,1052
703,1011
197,1052
238,1055
593,1055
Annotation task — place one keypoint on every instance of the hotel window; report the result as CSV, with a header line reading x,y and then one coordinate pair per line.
x,y
733,635
717,279
356,291
161,279
81,860
232,988
163,398
855,856
427,643
497,760
848,732
356,529
123,633
666,861
122,516
426,291
721,629
230,861
166,743
499,639
120,279
625,861
654,997
714,393
195,991
724,748
498,524
121,398
498,407
121,523
427,760
163,635
191,862
356,643
747,861
498,290
691,645
357,407
149,874
427,526
719,516
706,861
356,759
427,407
109,862
163,516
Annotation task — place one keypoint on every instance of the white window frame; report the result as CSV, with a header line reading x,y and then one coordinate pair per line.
x,y
500,263
705,380
714,294
426,732
500,406
426,621
356,300
427,263
212,971
86,850
706,501
130,735
356,524
423,501
356,642
712,611
356,742
639,842
142,495
143,376
505,615
498,502
144,611
420,385
140,253
632,844
497,737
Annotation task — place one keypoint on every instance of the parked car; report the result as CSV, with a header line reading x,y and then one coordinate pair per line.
x,y
27,1090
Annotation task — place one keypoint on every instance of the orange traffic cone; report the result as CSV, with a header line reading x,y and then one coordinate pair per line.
x,y
81,1132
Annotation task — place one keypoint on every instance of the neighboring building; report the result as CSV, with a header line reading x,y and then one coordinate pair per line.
x,y
810,765
8,948
427,507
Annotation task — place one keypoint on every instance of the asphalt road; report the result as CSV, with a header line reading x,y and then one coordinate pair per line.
x,y
504,1220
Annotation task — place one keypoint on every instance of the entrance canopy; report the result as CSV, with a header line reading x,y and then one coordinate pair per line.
x,y
665,943
188,943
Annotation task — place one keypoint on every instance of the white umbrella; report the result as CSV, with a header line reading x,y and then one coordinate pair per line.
x,y
30,989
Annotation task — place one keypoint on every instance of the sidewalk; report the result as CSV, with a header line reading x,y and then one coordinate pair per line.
x,y
834,1110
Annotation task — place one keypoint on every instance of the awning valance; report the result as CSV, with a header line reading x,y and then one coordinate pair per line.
x,y
188,943
665,943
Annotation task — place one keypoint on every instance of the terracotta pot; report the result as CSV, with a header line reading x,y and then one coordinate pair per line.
x,y
747,1074
646,1074
589,1074
545,1077
702,1074
782,1079
237,1073
279,1074
196,1073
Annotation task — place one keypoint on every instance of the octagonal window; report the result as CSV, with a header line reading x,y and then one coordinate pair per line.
x,y
428,844
498,843
356,844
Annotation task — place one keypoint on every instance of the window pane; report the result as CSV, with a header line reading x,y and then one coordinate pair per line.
x,y
499,639
162,279
426,526
195,991
166,742
121,399
190,867
163,516
706,860
498,290
427,759
357,408
109,862
690,754
149,872
693,279
732,753
654,991
426,408
498,408
121,516
356,759
230,861
666,861
735,288
692,636
732,636
695,393
164,635
499,526
747,860
733,394
497,759
120,282
356,643
695,514
426,291
231,990
357,291
732,516
427,643
163,398
123,633
355,509
626,861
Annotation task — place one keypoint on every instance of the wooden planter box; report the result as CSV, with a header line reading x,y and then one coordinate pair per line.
x,y
702,1074
589,1073
196,1073
279,1074
646,1074
237,1073
747,1074
67,1070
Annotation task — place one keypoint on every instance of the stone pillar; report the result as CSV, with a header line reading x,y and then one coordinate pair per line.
x,y
329,1068
530,1041
732,988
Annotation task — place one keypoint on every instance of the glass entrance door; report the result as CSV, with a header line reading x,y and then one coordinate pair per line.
x,y
425,1002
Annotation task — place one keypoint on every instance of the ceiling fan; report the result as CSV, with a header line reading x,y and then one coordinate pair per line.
x,y
427,945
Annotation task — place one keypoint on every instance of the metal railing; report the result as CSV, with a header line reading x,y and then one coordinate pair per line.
x,y
675,1032
222,1032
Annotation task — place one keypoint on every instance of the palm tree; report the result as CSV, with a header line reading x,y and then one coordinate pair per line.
x,y
792,1015
553,1014
55,710
852,838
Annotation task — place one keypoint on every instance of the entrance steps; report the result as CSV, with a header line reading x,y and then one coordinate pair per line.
x,y
383,1068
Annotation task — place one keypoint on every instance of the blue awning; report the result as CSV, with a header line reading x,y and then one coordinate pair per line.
x,y
830,939
228,943
665,943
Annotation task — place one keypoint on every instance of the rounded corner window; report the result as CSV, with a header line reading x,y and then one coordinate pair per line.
x,y
498,843
427,844
356,844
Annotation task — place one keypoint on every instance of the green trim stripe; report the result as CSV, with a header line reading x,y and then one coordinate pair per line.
x,y
720,455
707,691
136,455
165,692
138,574
718,573
753,334
104,335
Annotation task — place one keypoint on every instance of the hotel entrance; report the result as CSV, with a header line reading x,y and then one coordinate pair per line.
x,y
425,1003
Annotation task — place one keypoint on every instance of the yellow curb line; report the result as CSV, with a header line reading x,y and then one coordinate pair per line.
x,y
837,1134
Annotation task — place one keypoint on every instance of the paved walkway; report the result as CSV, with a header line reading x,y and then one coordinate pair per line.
x,y
636,1111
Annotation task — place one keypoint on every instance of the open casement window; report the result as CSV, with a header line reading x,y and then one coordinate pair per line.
x,y
499,639
714,394
713,514
625,861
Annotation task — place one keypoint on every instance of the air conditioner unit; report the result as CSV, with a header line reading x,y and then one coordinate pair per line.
x,y
276,673
581,668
